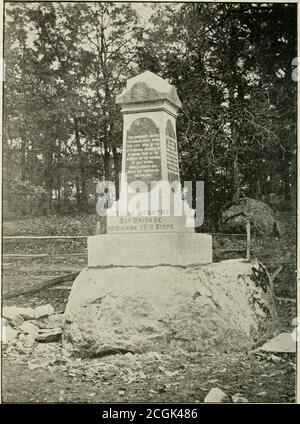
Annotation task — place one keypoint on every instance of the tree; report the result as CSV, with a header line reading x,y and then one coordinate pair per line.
x,y
75,66
231,64
231,129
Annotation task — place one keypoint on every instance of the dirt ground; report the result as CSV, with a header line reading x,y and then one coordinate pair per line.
x,y
42,374
149,378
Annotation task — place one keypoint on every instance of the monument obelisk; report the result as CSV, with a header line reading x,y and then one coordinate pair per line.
x,y
149,107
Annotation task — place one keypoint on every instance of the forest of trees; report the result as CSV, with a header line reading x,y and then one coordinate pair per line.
x,y
65,63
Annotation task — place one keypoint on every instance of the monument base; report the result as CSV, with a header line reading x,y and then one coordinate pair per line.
x,y
149,249
221,306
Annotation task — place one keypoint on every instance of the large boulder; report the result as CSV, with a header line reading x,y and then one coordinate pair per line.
x,y
235,216
221,306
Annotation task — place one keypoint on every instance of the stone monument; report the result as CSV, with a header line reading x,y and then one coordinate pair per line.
x,y
149,108
150,284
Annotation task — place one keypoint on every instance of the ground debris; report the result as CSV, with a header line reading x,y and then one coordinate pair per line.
x,y
49,335
239,398
262,394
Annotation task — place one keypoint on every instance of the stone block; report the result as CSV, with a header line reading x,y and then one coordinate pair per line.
x,y
149,249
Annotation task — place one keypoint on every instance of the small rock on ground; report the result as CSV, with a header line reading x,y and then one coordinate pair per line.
x,y
9,334
44,311
49,335
239,398
216,395
25,313
283,343
13,318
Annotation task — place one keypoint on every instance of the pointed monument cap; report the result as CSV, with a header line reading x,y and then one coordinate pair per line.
x,y
148,87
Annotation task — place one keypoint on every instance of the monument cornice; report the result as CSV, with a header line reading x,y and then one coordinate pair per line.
x,y
156,109
148,89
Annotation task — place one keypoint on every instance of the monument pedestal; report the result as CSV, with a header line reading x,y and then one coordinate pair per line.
x,y
149,249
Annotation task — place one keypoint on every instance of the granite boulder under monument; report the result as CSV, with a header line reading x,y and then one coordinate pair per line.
x,y
150,284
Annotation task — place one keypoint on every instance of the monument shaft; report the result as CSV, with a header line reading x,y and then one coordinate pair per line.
x,y
149,107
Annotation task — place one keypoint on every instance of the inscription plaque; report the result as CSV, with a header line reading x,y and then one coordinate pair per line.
x,y
172,154
143,153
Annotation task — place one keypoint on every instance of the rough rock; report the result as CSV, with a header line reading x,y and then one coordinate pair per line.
x,y
12,316
216,395
43,311
53,321
25,313
9,334
234,217
49,335
30,331
275,358
225,306
27,340
283,343
239,398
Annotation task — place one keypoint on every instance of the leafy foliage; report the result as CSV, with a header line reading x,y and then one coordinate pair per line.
x,y
24,198
231,64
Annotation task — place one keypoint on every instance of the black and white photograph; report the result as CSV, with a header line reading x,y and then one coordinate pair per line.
x,y
149,205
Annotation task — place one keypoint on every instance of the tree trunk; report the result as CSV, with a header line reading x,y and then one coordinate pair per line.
x,y
106,163
258,188
77,187
286,187
236,178
83,198
66,200
49,177
116,157
23,160
59,178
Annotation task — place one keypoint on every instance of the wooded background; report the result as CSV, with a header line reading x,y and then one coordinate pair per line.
x,y
65,64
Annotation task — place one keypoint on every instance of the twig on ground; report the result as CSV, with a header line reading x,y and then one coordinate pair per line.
x,y
34,288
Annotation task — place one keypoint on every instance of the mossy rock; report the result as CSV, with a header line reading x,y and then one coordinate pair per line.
x,y
262,219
